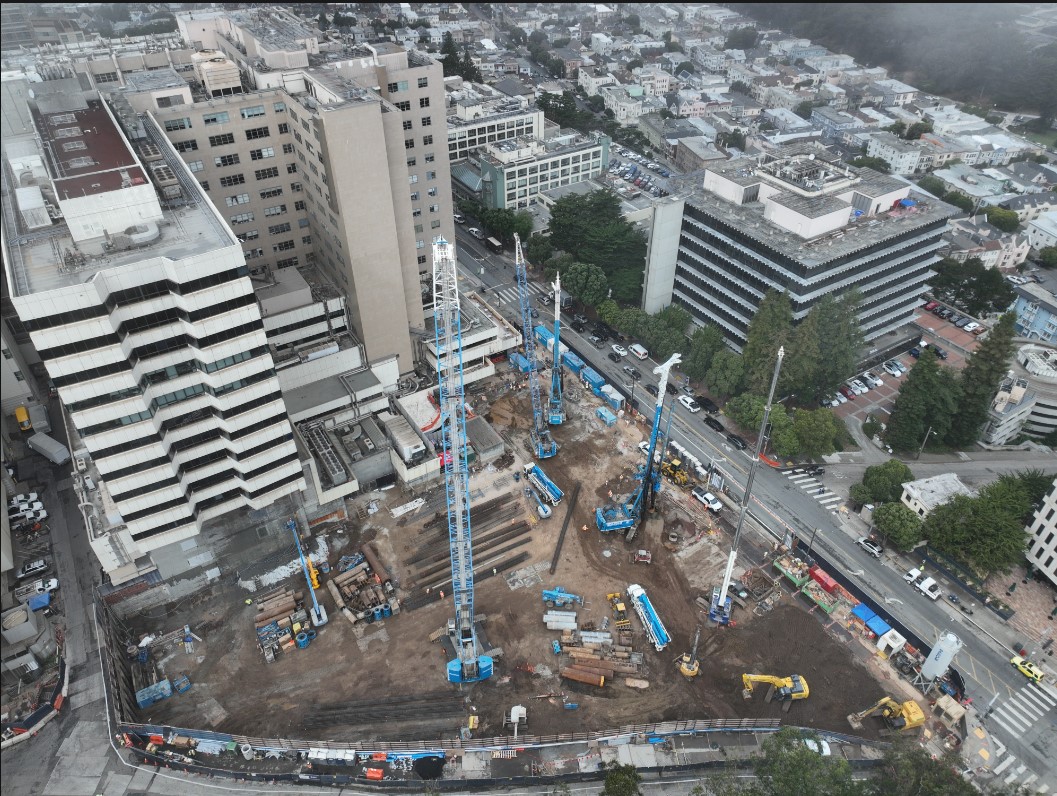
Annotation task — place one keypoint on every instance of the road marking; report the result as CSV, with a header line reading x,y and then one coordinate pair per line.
x,y
1008,729
1014,774
1020,722
1035,699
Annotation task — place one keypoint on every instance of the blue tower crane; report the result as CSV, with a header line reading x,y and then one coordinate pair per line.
x,y
543,444
555,408
626,515
468,666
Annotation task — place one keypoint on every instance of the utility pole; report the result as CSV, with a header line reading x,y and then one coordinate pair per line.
x,y
923,443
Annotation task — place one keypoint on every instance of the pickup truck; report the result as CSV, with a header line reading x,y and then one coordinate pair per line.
x,y
23,593
929,588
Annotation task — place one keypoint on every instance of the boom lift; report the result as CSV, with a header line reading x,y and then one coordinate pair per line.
x,y
542,443
689,665
556,408
898,717
468,666
626,515
785,689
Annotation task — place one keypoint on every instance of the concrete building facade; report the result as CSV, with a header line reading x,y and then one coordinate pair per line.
x,y
1042,544
793,222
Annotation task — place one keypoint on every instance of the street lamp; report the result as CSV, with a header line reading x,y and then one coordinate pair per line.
x,y
812,542
923,443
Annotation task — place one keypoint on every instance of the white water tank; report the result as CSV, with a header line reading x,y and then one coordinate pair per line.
x,y
943,654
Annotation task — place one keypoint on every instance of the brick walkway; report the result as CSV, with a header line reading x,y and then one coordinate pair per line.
x,y
1034,604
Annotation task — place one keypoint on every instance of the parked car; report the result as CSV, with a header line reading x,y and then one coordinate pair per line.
x,y
840,397
939,352
961,324
972,326
980,329
870,546
912,575
25,497
931,306
713,424
847,392
475,232
915,352
828,400
1028,669
35,516
633,373
619,350
671,389
856,387
32,569
938,310
690,404
652,389
596,341
892,369
706,403
872,380
819,747
613,356
710,501
946,314
459,218
737,442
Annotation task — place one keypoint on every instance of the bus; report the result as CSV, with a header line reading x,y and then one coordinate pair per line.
x,y
494,245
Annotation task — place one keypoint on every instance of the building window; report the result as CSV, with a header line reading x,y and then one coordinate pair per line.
x,y
423,82
242,218
302,223
431,175
177,124
422,259
408,124
419,229
412,162
267,174
426,121
241,199
279,107
299,205
432,192
416,212
284,128
222,140
412,178
434,208
284,246
423,102
420,244
289,262
106,77
186,146
403,106
409,143
261,154
277,210
204,184
253,254
414,196
251,235
430,158
269,193
434,224
254,112
195,165
288,149
226,160
427,140
291,168
232,181
258,132
279,229
221,117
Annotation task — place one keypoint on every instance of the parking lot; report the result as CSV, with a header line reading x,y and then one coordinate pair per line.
x,y
879,401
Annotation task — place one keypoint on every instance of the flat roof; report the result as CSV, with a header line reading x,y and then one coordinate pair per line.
x,y
810,206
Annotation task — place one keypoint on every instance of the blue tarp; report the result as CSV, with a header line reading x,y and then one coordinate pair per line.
x,y
38,601
878,626
863,611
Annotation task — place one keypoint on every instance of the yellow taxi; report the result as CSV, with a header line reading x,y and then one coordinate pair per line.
x,y
1027,668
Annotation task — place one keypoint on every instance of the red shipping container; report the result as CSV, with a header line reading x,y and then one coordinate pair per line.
x,y
824,580
374,773
378,756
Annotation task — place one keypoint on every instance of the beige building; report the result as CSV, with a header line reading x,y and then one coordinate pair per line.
x,y
925,494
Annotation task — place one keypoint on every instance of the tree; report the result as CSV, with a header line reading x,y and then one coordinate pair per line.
x,y
928,400
450,55
635,63
596,103
741,39
592,229
803,110
916,130
633,22
899,128
608,311
538,249
523,222
323,23
959,200
468,69
1005,220
972,286
621,781
899,524
816,431
740,87
769,329
907,768
746,409
800,368
877,164
981,377
735,139
725,374
685,66
586,282
787,766
884,482
934,185
705,343
1048,257
840,340
985,532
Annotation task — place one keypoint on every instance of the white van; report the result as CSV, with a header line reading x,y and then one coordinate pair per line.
x,y
638,351
929,588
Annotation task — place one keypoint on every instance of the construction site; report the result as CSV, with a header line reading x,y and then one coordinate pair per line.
x,y
588,597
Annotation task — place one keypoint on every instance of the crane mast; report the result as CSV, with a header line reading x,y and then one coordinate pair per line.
x,y
542,443
468,666
556,409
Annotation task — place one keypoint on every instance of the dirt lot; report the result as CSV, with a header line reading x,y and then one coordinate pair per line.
x,y
387,681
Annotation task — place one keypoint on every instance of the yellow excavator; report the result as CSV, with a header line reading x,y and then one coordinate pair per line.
x,y
898,717
689,665
785,689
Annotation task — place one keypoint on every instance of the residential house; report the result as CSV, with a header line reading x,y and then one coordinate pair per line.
x,y
926,494
654,80
834,123
1031,206
1042,231
592,81
974,237
1036,311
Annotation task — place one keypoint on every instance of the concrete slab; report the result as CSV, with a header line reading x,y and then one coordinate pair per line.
x,y
115,784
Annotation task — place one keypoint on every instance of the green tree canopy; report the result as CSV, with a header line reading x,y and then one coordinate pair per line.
x,y
884,482
971,286
1005,220
877,164
622,781
985,532
586,282
608,312
981,377
705,343
741,39
450,55
725,373
959,200
803,110
816,431
768,331
1048,257
916,130
934,185
908,768
787,767
927,400
899,524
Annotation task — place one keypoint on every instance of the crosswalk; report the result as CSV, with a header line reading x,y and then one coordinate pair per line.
x,y
1032,705
508,294
814,487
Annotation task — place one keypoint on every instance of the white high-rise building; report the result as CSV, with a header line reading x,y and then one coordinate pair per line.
x,y
135,293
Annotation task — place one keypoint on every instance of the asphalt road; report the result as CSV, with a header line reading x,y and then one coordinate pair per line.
x,y
782,506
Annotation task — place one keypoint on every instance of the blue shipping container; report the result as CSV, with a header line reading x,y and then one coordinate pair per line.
x,y
573,362
592,378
